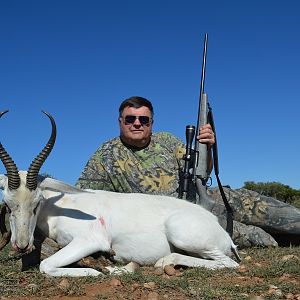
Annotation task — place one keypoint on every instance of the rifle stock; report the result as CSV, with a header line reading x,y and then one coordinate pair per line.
x,y
200,162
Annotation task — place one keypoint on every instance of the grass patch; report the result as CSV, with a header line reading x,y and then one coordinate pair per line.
x,y
260,268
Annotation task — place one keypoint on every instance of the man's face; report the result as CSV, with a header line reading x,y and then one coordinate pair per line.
x,y
134,131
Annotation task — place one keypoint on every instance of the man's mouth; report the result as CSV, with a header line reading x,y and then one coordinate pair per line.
x,y
136,131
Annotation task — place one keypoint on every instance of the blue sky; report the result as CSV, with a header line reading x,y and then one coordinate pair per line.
x,y
79,59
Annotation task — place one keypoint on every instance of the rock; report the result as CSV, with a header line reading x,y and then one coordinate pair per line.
x,y
259,265
64,284
149,285
135,286
49,247
132,267
115,282
153,296
100,263
274,290
242,268
158,271
251,236
170,270
275,217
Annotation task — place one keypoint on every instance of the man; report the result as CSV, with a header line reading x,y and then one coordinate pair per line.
x,y
145,162
139,160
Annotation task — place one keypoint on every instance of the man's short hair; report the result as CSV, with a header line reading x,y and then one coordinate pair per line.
x,y
136,102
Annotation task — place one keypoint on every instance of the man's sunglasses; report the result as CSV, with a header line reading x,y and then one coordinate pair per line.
x,y
144,120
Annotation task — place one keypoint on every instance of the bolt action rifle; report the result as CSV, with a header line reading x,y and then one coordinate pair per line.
x,y
196,158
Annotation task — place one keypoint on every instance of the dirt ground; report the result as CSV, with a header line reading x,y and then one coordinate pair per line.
x,y
263,274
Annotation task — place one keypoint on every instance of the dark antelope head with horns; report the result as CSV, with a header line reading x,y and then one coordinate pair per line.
x,y
22,196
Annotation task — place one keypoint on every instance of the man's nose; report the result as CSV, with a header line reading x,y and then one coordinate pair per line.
x,y
137,122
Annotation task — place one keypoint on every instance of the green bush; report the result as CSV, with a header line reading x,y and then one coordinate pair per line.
x,y
276,190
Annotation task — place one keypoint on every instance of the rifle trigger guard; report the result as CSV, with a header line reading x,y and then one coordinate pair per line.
x,y
209,182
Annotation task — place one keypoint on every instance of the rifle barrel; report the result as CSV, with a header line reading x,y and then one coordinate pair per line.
x,y
201,150
202,77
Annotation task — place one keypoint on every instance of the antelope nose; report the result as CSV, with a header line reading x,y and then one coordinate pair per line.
x,y
22,249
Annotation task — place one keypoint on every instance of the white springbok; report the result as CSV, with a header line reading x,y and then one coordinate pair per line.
x,y
139,228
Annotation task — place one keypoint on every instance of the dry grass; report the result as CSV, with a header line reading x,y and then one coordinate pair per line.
x,y
272,273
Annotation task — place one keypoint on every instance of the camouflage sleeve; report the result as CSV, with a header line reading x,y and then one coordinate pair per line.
x,y
179,153
178,148
94,175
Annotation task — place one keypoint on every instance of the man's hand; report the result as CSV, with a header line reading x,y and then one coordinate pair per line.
x,y
206,135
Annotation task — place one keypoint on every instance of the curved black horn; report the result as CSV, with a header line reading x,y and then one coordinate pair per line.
x,y
33,171
11,168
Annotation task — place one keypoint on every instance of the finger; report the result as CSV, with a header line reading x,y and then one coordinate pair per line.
x,y
206,133
206,138
206,126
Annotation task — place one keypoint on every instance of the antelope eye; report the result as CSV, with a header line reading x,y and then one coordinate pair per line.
x,y
35,209
7,208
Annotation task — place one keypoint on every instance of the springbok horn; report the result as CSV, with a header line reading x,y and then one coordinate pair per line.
x,y
5,234
33,171
11,168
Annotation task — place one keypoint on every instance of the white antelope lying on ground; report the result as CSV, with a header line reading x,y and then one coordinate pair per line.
x,y
144,229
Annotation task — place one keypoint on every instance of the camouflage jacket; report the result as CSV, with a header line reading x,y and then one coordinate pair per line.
x,y
151,170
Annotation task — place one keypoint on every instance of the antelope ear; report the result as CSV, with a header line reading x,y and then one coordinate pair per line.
x,y
3,181
58,186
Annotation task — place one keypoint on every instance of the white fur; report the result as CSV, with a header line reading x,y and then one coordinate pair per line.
x,y
140,228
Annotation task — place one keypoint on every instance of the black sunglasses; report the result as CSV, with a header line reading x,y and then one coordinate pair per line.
x,y
144,120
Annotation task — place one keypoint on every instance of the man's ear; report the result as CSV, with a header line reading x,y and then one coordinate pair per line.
x,y
120,122
3,181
